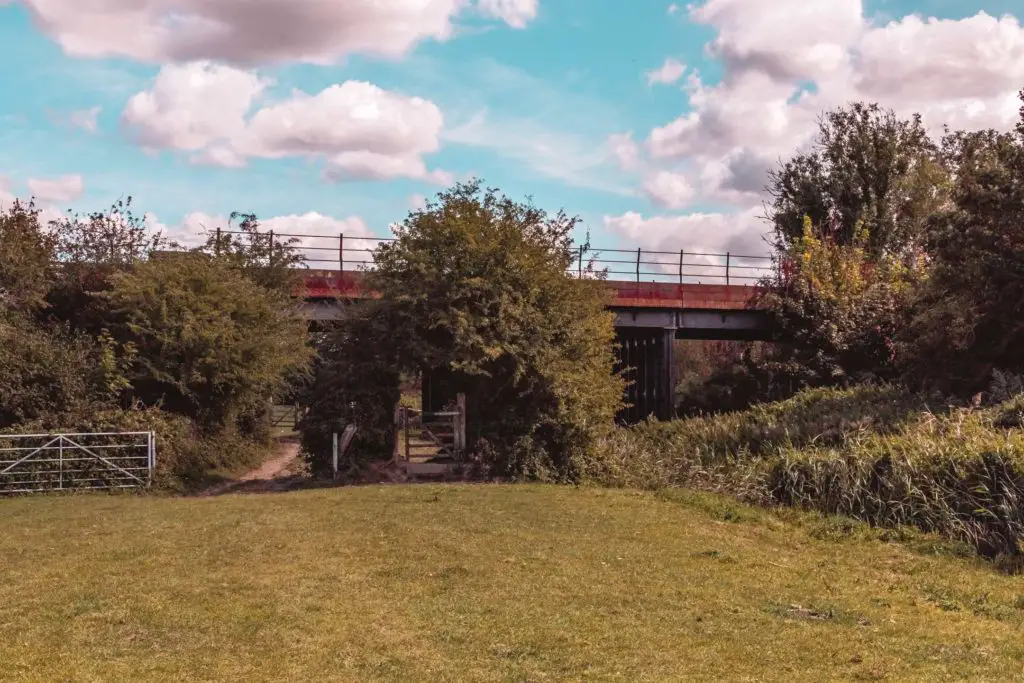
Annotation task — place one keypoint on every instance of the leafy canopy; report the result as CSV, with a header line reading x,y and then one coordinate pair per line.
x,y
475,294
870,175
212,344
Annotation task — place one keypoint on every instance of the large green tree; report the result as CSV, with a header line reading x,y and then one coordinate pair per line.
x,y
27,268
475,290
969,320
868,175
212,344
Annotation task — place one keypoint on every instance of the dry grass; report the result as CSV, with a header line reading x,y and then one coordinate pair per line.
x,y
483,583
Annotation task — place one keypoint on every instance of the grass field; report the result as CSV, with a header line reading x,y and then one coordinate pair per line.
x,y
467,583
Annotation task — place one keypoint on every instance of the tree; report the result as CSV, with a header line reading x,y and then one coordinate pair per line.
x,y
837,311
479,293
869,173
264,257
212,344
475,292
26,259
52,372
89,251
969,320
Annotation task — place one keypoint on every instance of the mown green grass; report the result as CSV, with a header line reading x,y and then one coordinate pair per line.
x,y
468,583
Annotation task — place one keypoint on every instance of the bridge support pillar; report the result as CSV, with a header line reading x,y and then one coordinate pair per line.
x,y
646,356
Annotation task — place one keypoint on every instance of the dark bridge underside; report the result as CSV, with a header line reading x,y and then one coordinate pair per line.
x,y
644,349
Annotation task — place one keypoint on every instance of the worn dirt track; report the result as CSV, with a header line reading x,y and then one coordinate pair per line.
x,y
275,474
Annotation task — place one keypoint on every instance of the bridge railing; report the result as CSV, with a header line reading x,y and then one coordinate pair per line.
x,y
351,252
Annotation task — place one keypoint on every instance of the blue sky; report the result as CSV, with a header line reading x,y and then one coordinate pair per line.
x,y
534,96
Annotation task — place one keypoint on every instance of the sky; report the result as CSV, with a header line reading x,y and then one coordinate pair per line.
x,y
655,123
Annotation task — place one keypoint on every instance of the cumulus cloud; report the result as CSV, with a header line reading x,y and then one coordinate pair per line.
x,y
710,233
787,39
667,74
192,106
668,190
47,211
360,130
63,189
788,61
269,31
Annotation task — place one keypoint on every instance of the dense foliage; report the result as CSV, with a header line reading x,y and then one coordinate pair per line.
x,y
210,343
96,329
870,177
969,319
475,289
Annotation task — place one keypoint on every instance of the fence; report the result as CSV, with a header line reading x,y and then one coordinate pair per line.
x,y
33,463
342,252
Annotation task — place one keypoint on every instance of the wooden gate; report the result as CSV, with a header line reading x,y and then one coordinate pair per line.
x,y
431,443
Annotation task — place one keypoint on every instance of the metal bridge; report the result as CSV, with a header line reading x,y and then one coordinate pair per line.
x,y
657,296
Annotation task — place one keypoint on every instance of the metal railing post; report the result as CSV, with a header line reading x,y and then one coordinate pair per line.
x,y
681,255
638,264
581,261
727,257
270,258
60,459
341,251
216,244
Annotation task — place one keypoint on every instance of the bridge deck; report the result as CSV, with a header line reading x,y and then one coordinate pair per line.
x,y
336,284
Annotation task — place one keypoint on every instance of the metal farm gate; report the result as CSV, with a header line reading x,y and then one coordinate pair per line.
x,y
34,463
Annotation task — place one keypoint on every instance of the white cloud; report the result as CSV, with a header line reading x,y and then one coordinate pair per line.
x,y
47,211
367,132
268,31
7,196
417,202
361,130
711,233
515,13
668,190
192,106
786,39
63,189
667,74
673,9
625,149
86,119
964,72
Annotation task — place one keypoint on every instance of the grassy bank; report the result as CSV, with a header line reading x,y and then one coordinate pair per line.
x,y
484,583
878,454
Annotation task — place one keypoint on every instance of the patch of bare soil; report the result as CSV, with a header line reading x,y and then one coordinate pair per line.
x,y
281,472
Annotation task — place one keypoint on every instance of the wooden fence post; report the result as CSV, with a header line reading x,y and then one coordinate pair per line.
x,y
460,426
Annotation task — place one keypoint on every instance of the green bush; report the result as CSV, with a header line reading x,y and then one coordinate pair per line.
x,y
52,371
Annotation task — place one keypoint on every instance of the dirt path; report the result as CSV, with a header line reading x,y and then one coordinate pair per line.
x,y
275,474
